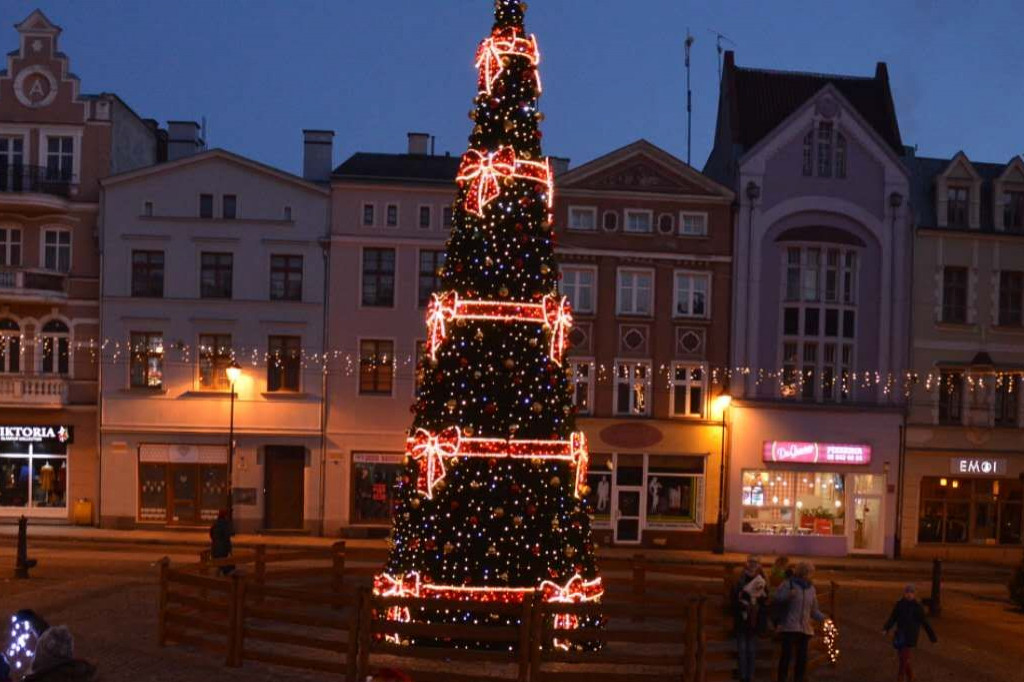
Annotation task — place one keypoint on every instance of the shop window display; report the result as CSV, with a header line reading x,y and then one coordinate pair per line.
x,y
599,497
674,491
979,511
794,503
33,481
374,478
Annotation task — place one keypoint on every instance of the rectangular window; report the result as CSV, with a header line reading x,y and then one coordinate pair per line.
x,y
148,274
961,511
793,257
215,356
392,215
638,221
376,366
424,217
287,212
147,209
374,480
368,217
10,247
378,278
675,492
446,217
12,163
693,224
793,502
56,346
1013,211
954,295
583,218
632,388
215,277
285,278
1007,400
688,390
57,250
421,357
147,360
956,206
429,279
811,275
205,205
824,149
284,363
951,397
33,480
1011,298
635,292
692,294
583,386
579,286
10,347
60,158
229,206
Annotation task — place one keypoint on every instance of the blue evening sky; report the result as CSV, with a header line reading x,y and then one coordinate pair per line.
x,y
261,70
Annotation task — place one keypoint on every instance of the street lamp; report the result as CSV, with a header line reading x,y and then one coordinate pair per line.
x,y
721,404
233,372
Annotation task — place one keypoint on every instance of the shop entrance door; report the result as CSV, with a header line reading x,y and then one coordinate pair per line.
x,y
868,519
284,475
184,487
629,498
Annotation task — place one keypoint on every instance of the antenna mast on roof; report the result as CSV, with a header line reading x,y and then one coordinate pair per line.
x,y
719,39
689,95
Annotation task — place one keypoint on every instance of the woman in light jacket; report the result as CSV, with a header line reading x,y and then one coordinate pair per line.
x,y
801,607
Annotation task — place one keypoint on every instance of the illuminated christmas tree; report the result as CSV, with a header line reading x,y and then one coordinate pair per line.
x,y
490,505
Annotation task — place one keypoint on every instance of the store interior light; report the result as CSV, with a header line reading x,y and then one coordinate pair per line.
x,y
956,484
799,504
839,503
943,482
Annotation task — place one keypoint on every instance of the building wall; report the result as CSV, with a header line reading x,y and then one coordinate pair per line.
x,y
181,411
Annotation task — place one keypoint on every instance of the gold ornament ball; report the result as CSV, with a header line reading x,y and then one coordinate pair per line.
x,y
554,523
468,430
570,551
545,269
534,342
414,503
448,548
556,481
498,512
584,490
503,292
451,405
510,363
440,485
536,462
517,520
537,407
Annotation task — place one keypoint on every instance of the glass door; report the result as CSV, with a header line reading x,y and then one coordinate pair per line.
x,y
184,488
629,498
869,521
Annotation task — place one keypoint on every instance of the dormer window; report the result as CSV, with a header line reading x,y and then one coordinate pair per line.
x,y
824,152
956,206
1013,211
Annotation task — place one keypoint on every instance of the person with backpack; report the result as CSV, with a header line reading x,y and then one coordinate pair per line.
x,y
908,616
796,605
749,599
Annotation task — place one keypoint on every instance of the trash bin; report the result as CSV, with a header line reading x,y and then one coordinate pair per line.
x,y
82,512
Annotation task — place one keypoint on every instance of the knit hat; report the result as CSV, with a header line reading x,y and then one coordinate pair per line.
x,y
910,588
54,647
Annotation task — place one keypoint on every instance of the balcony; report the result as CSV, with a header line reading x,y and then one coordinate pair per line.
x,y
23,179
33,285
25,391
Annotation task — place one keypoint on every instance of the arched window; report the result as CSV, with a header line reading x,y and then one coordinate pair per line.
x,y
611,221
56,344
666,224
808,165
825,149
10,347
840,156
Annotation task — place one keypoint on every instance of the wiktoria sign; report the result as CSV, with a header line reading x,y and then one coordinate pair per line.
x,y
797,452
35,434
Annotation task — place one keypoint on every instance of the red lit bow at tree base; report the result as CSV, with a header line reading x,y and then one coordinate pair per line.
x,y
490,506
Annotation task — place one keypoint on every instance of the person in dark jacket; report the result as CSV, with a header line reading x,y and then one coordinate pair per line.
x,y
908,616
221,533
54,659
799,602
749,598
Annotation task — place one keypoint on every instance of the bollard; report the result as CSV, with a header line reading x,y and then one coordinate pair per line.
x,y
935,602
23,562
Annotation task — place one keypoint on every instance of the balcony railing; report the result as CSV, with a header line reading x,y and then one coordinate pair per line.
x,y
27,282
33,391
39,179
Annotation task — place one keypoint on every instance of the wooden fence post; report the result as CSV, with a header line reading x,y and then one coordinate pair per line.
x,y
260,570
690,643
338,570
353,640
701,638
526,642
161,623
236,621
639,581
364,634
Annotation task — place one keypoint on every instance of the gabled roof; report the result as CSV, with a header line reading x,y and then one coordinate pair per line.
x,y
37,22
415,168
763,98
925,170
209,155
642,148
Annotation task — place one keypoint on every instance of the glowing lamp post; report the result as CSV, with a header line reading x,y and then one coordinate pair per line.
x,y
721,404
234,372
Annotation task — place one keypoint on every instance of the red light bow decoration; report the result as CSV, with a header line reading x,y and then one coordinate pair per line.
x,y
558,318
387,585
440,312
431,450
484,172
581,457
575,591
503,44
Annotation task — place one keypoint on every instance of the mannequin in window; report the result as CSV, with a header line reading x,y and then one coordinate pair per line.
x,y
47,479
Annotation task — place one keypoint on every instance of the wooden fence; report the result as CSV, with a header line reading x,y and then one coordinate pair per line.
x,y
313,610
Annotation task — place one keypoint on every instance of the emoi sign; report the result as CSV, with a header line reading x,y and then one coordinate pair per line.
x,y
815,453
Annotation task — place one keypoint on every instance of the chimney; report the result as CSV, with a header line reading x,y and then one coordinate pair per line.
x,y
419,144
183,139
317,155
559,164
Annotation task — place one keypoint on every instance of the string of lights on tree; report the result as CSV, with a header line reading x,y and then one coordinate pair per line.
x,y
490,506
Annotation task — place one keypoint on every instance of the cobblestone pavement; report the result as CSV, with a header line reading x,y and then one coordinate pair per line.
x,y
108,597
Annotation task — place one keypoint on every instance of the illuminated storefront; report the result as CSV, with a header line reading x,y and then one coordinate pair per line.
x,y
34,469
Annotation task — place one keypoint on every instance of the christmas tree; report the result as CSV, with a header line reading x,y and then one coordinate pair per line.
x,y
490,505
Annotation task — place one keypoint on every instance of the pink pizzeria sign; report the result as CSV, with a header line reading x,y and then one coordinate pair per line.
x,y
816,453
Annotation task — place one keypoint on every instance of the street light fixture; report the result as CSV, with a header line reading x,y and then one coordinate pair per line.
x,y
233,372
721,404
